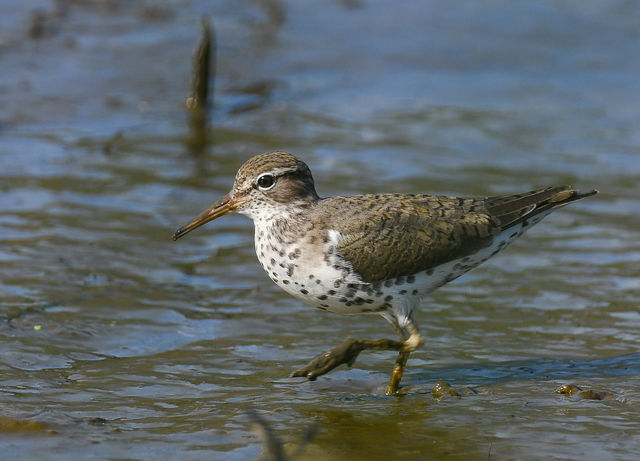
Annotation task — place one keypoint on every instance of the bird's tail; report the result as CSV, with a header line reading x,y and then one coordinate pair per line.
x,y
514,209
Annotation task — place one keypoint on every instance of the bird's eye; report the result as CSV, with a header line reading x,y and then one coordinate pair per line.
x,y
266,181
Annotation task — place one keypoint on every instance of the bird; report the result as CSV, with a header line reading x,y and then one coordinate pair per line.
x,y
375,253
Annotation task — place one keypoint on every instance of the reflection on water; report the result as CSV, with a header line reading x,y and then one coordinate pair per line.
x,y
118,342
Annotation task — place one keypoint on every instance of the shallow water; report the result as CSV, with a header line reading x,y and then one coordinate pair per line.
x,y
119,343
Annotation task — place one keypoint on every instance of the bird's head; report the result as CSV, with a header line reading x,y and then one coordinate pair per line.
x,y
266,185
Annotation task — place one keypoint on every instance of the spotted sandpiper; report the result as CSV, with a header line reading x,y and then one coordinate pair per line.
x,y
376,253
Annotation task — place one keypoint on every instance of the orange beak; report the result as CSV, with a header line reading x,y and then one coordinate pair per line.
x,y
225,205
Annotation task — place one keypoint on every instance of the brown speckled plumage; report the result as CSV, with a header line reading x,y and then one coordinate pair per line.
x,y
370,253
388,235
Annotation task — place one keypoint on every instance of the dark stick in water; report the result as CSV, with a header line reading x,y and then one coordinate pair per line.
x,y
203,76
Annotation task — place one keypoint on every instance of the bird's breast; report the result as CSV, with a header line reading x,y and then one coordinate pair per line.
x,y
309,268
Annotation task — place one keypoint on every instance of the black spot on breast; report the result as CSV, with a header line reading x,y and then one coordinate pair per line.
x,y
323,307
343,300
273,262
290,270
388,298
388,283
414,292
411,279
337,284
304,292
322,297
331,292
429,271
318,281
400,280
286,282
311,276
403,292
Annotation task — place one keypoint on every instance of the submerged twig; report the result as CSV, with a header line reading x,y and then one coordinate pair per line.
x,y
202,84
274,448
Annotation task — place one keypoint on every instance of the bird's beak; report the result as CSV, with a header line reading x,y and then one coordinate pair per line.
x,y
225,205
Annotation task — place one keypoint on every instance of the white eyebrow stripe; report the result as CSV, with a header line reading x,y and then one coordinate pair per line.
x,y
281,171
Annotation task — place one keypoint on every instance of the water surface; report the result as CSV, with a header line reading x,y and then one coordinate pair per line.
x,y
118,343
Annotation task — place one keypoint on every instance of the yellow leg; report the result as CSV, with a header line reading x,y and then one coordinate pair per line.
x,y
410,344
396,376
348,351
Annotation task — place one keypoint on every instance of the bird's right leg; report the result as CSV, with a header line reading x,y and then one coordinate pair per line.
x,y
346,352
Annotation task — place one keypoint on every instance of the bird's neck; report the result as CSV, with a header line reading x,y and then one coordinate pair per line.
x,y
284,223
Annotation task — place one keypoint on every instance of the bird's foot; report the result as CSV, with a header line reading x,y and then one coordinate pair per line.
x,y
345,352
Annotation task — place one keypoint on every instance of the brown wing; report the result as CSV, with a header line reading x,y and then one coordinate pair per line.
x,y
398,235
386,236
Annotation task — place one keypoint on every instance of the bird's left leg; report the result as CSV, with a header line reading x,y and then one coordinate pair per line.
x,y
348,351
412,340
